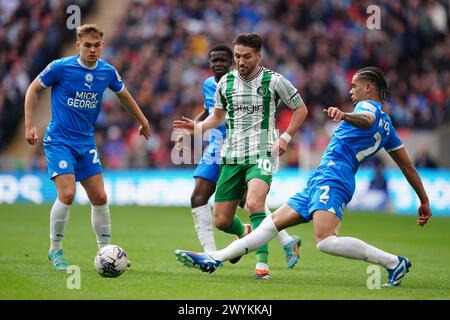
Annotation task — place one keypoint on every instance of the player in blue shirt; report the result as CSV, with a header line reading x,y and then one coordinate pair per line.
x,y
359,136
220,59
207,172
78,83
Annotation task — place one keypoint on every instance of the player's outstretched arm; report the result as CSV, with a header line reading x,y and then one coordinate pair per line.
x,y
362,120
402,159
214,120
31,98
131,106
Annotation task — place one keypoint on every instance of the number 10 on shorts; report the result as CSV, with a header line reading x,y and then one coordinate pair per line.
x,y
265,165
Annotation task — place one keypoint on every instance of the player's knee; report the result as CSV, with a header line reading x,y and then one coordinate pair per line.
x,y
66,195
99,199
254,205
326,244
222,223
198,200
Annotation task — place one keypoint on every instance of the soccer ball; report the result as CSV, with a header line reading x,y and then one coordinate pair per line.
x,y
111,261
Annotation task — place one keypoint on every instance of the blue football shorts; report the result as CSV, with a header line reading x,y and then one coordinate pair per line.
x,y
63,159
209,165
330,188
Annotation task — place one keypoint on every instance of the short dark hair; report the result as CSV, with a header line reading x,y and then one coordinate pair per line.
x,y
252,40
222,48
88,28
375,76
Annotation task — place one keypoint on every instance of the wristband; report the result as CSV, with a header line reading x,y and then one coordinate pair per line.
x,y
286,137
345,116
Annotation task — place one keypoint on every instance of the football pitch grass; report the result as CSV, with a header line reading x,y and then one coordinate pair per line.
x,y
150,236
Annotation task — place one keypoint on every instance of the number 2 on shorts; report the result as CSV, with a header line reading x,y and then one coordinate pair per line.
x,y
95,159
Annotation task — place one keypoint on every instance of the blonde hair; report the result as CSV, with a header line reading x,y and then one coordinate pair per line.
x,y
88,28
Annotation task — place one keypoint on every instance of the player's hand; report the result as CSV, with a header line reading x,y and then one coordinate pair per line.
x,y
279,147
424,214
31,135
145,130
335,114
187,124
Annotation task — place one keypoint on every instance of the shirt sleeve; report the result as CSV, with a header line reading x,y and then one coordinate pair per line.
x,y
50,75
288,93
394,142
116,84
364,106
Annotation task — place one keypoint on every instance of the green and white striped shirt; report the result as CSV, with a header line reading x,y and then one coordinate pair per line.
x,y
251,105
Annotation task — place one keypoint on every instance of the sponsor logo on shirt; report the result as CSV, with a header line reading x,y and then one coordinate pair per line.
x,y
249,108
83,100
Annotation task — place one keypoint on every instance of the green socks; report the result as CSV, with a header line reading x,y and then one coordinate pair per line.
x,y
236,227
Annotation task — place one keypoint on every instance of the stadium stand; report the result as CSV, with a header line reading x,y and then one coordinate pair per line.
x,y
32,34
160,49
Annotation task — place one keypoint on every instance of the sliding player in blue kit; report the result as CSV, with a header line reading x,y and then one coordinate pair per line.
x,y
360,135
78,83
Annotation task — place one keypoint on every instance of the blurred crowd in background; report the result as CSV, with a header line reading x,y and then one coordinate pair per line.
x,y
160,49
32,34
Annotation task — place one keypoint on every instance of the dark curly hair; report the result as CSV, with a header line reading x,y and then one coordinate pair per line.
x,y
375,76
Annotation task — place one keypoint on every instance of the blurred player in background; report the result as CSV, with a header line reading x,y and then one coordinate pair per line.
x,y
249,96
359,136
78,83
207,172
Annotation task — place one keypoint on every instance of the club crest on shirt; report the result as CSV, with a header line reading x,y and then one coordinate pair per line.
x,y
89,77
261,91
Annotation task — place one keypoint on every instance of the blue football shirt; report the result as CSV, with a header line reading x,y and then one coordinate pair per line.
x,y
76,98
350,145
209,91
